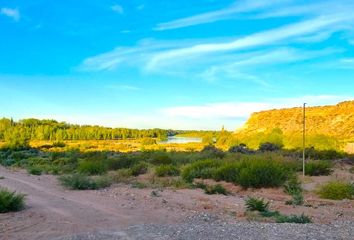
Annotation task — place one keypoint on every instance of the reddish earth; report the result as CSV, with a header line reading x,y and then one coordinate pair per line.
x,y
52,211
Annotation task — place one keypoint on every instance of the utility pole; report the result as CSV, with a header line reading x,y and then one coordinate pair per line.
x,y
303,139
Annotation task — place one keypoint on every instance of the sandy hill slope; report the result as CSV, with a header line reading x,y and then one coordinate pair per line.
x,y
335,121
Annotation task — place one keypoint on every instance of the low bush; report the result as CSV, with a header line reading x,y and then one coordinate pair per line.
x,y
241,148
121,176
269,147
255,204
302,219
200,169
167,170
140,168
211,189
92,167
261,172
160,158
211,151
11,201
216,189
293,187
83,182
227,172
318,168
312,153
336,191
35,170
123,161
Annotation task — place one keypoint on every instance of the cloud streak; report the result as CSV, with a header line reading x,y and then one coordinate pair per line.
x,y
255,40
118,9
213,16
13,13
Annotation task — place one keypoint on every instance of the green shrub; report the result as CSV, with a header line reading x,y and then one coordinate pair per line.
x,y
318,168
140,168
167,170
269,147
83,182
160,158
302,219
35,170
102,181
255,204
293,187
261,172
8,162
241,148
216,189
336,190
227,172
121,176
92,167
123,161
11,201
351,170
210,151
200,169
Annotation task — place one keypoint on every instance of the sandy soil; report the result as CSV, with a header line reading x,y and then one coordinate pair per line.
x,y
52,211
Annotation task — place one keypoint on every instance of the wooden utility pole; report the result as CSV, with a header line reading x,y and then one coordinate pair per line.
x,y
303,139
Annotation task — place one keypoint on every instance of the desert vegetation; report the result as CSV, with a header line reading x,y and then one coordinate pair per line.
x,y
11,201
141,162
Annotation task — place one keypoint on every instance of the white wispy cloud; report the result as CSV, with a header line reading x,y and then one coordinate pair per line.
x,y
263,58
118,9
13,13
269,37
225,13
155,56
260,10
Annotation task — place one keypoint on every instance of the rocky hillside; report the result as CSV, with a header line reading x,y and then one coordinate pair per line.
x,y
335,121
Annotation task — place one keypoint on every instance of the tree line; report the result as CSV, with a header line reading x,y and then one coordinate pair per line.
x,y
35,129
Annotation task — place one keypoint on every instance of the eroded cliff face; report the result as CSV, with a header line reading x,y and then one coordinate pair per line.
x,y
335,121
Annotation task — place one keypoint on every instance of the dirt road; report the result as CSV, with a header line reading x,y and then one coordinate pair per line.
x,y
52,211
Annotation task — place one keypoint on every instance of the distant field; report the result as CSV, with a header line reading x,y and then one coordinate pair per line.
x,y
127,145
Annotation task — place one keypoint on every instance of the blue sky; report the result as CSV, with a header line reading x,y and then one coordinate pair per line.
x,y
172,64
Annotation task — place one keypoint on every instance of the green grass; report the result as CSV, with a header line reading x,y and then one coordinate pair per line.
x,y
11,201
336,190
84,182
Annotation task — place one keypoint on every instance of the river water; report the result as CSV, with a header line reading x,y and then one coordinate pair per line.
x,y
174,139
